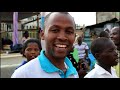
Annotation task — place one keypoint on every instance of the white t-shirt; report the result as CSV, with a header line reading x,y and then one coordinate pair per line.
x,y
99,72
24,40
81,49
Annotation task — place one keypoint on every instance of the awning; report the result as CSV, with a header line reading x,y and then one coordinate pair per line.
x,y
8,16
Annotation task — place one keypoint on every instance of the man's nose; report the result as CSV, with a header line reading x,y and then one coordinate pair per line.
x,y
111,36
62,36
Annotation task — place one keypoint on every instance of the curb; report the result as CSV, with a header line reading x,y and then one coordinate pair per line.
x,y
6,66
10,55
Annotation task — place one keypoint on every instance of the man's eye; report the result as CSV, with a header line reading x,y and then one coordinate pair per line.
x,y
114,33
55,30
69,32
112,50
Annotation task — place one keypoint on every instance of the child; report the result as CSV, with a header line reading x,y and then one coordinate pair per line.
x,y
30,50
104,51
84,67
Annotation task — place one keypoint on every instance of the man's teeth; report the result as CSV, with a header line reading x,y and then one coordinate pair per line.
x,y
61,46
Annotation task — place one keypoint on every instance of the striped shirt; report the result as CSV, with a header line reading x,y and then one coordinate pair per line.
x,y
81,49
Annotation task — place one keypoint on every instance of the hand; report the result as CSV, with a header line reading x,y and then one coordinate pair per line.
x,y
82,73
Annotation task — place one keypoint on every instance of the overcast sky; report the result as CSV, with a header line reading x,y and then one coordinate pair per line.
x,y
87,18
81,18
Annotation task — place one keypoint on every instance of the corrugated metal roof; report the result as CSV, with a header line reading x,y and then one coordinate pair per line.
x,y
102,23
8,16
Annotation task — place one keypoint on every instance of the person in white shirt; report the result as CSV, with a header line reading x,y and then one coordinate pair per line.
x,y
82,48
83,62
104,51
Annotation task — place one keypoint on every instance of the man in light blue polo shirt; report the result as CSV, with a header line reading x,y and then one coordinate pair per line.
x,y
59,36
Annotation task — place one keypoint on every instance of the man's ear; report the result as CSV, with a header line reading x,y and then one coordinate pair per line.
x,y
42,35
97,55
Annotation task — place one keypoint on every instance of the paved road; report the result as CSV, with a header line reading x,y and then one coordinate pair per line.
x,y
8,64
11,60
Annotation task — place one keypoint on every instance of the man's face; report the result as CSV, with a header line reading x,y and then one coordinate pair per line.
x,y
109,56
79,40
115,36
59,35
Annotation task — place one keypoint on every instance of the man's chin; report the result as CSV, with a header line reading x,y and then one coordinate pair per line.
x,y
60,56
117,44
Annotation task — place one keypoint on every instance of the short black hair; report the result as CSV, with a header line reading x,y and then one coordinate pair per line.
x,y
31,40
26,32
107,30
99,45
48,15
104,34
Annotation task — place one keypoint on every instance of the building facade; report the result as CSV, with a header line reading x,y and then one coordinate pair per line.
x,y
105,16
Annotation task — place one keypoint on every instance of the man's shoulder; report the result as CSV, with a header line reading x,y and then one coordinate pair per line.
x,y
29,65
91,74
23,62
84,43
32,63
22,71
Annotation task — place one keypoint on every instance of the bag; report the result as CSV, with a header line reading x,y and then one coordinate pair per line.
x,y
17,47
92,60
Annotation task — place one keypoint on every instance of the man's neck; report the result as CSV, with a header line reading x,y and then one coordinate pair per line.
x,y
118,48
107,68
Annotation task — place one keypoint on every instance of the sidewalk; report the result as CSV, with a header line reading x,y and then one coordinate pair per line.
x,y
5,55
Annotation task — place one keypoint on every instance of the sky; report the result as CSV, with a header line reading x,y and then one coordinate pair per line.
x,y
87,18
83,18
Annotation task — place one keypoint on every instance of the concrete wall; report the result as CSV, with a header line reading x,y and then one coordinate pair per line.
x,y
104,16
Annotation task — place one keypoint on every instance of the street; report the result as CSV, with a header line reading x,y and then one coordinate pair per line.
x,y
9,62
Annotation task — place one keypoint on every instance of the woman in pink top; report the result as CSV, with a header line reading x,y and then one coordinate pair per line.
x,y
25,37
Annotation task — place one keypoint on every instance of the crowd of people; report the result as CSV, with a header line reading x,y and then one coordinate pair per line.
x,y
61,57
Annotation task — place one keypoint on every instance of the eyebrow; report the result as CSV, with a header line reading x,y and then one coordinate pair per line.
x,y
57,26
